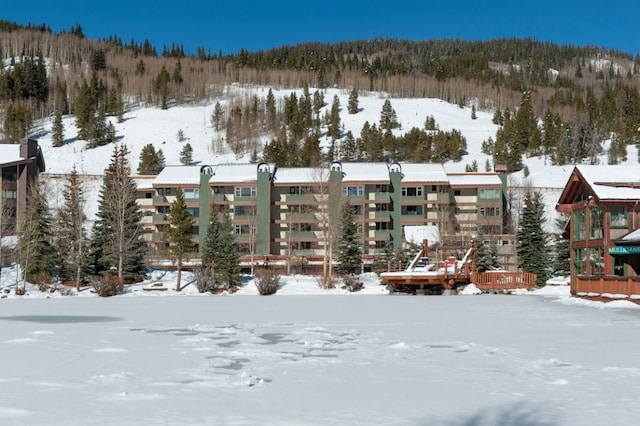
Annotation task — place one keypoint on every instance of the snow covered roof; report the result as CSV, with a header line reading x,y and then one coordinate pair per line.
x,y
143,183
612,183
178,175
285,175
10,153
423,172
234,173
474,179
633,236
365,172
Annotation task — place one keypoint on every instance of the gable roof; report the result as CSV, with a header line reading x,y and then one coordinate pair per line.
x,y
620,183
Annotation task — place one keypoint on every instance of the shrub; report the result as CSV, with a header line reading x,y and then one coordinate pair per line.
x,y
351,284
267,281
66,291
326,282
106,285
205,279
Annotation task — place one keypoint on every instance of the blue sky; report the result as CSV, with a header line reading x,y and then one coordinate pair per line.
x,y
228,26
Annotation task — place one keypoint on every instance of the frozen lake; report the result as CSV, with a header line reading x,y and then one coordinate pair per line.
x,y
317,360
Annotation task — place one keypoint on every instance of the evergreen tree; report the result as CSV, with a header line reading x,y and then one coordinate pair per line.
x,y
38,256
84,109
349,245
17,121
71,238
561,251
219,249
388,117
116,240
473,112
178,235
151,161
352,106
57,130
217,116
270,107
349,148
161,87
186,155
334,119
532,242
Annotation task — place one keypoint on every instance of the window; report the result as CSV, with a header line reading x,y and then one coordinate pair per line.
x,y
218,189
412,191
167,191
302,245
193,211
353,191
579,261
578,226
246,191
618,266
191,193
382,226
245,229
411,210
9,193
9,177
382,188
244,211
382,207
294,190
489,194
618,217
596,261
489,211
597,223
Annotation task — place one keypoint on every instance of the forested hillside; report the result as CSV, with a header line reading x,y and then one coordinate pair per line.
x,y
553,100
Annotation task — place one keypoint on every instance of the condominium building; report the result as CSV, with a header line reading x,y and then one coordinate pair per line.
x,y
279,213
20,165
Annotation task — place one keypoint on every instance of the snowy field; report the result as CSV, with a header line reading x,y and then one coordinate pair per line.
x,y
299,358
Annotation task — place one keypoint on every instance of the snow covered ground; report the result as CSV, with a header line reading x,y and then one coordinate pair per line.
x,y
310,357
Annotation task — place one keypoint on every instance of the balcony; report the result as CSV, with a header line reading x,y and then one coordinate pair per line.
x,y
157,236
159,199
379,196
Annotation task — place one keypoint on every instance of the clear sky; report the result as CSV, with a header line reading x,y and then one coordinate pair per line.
x,y
228,26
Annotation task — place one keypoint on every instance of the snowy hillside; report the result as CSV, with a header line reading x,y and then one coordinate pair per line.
x,y
160,128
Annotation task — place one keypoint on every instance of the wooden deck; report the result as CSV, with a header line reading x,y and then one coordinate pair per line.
x,y
590,286
503,280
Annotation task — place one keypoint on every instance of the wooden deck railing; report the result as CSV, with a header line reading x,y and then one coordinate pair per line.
x,y
495,280
606,284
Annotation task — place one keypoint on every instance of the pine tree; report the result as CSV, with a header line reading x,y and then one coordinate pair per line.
x,y
334,119
352,106
473,112
57,130
151,161
561,251
349,245
219,249
270,107
532,242
161,87
71,238
38,256
116,241
186,155
217,116
178,235
388,117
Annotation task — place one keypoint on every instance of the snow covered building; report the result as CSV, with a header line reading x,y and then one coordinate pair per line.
x,y
20,166
280,213
603,205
